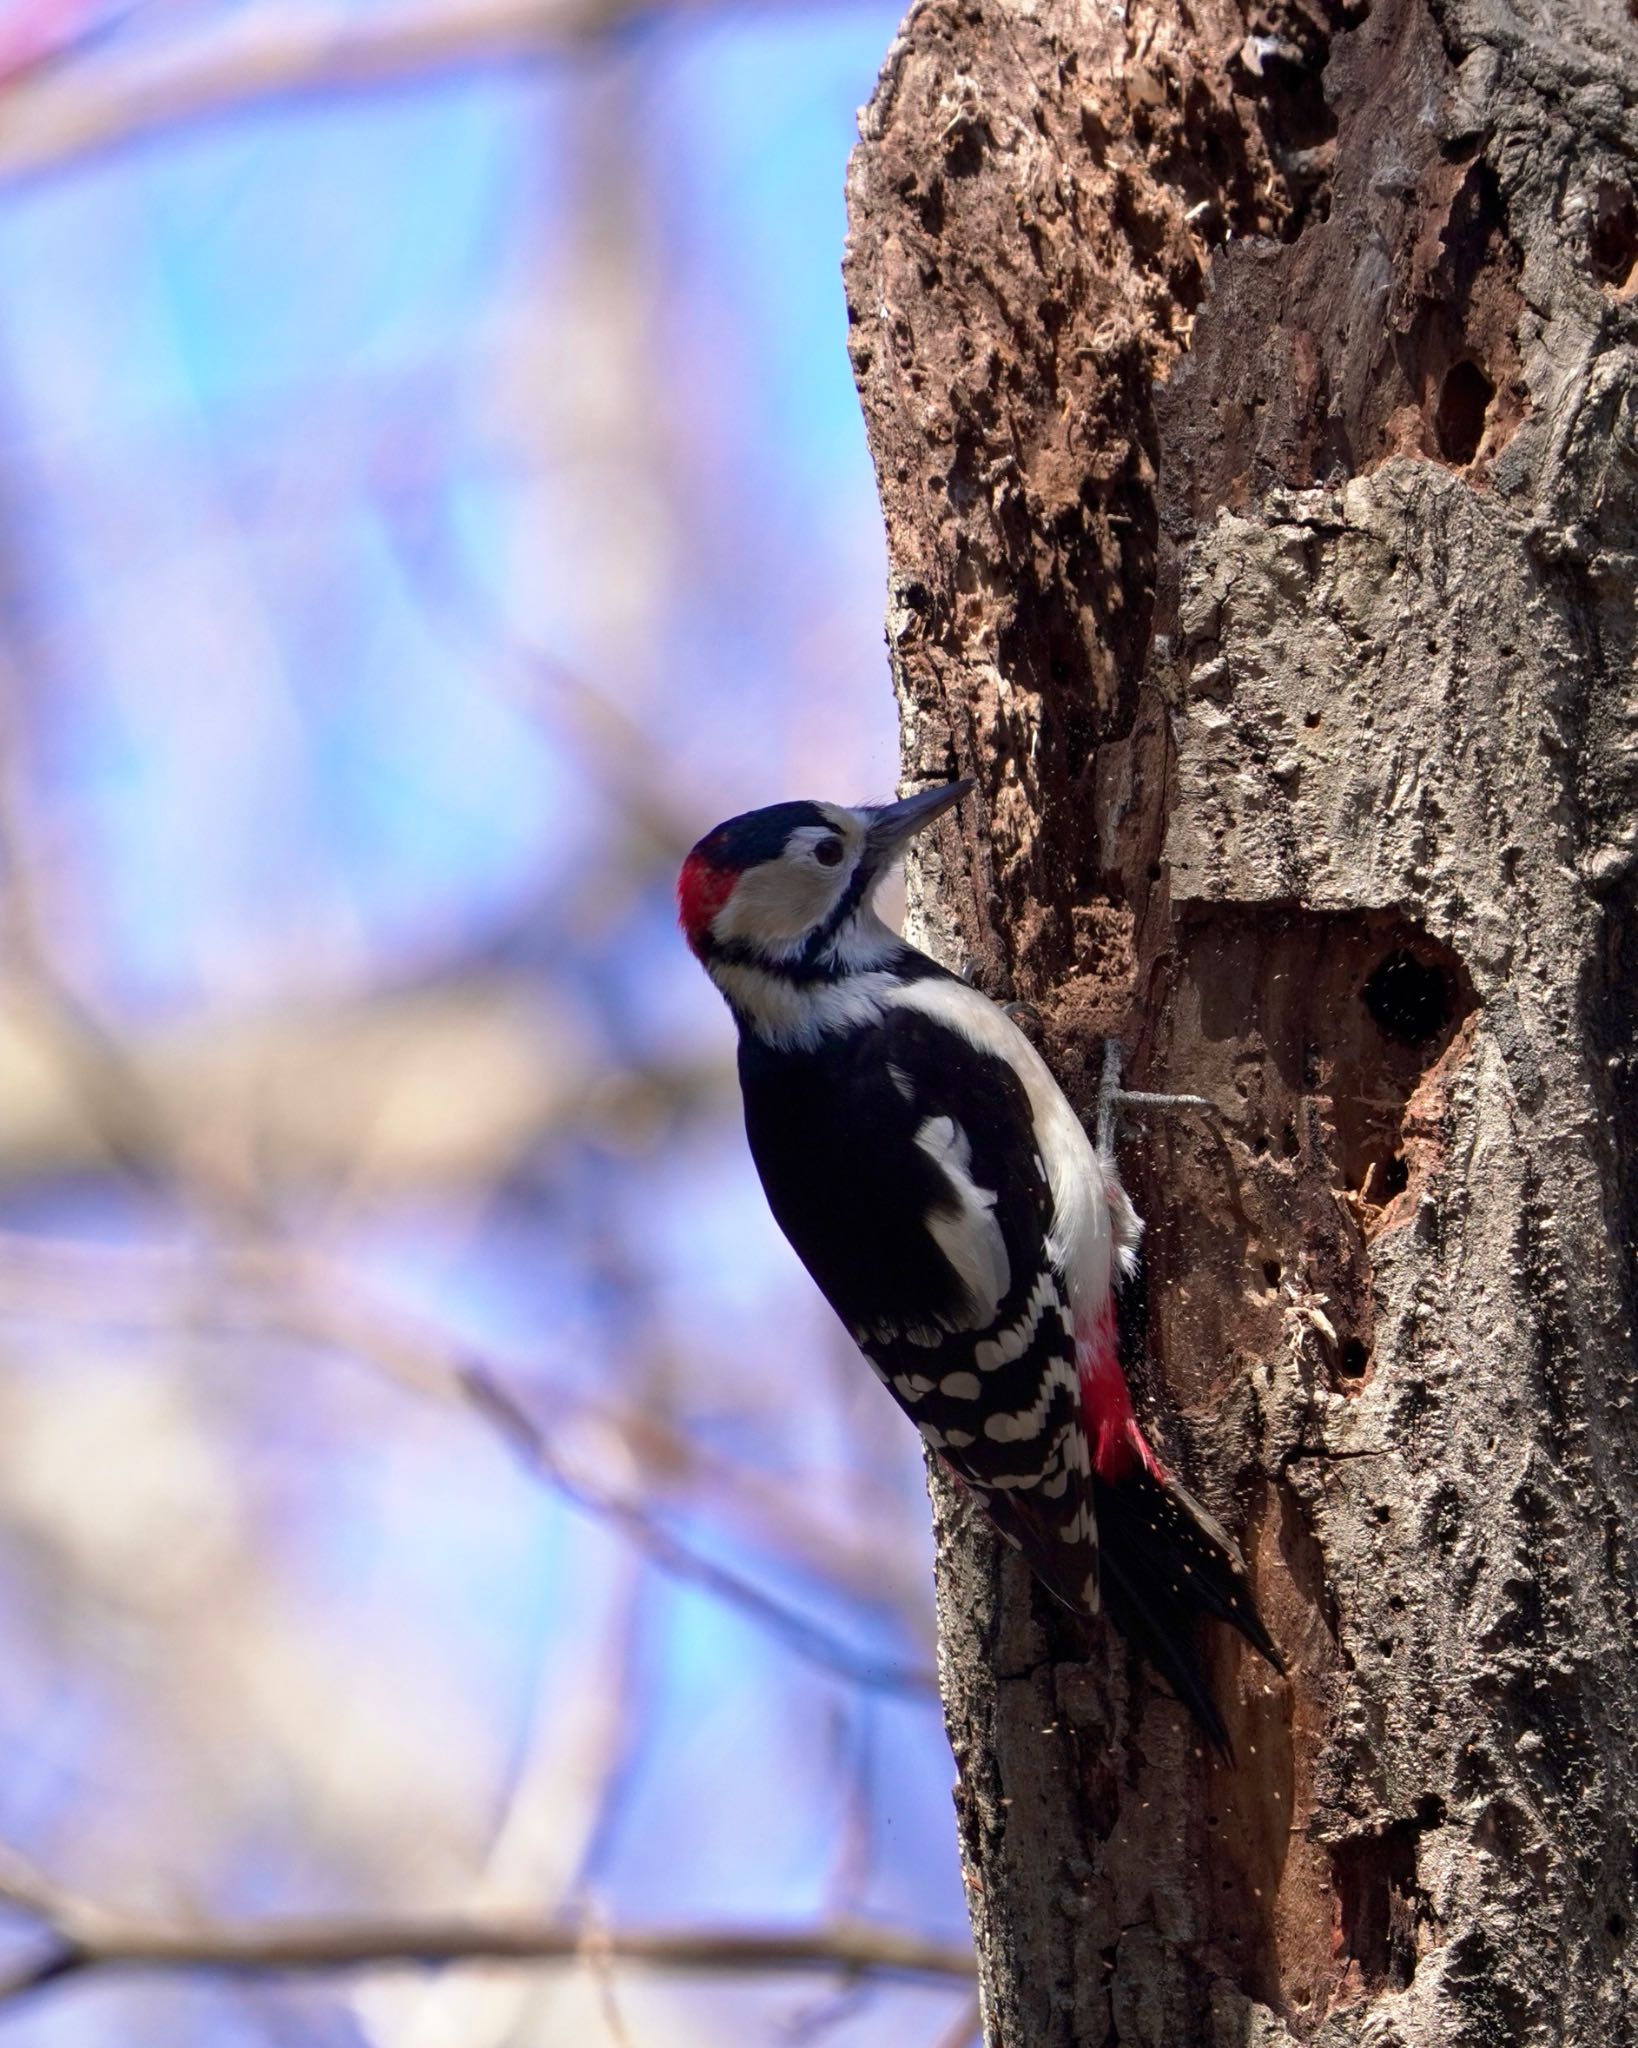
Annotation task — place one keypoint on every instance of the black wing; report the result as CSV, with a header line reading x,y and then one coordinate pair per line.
x,y
901,1163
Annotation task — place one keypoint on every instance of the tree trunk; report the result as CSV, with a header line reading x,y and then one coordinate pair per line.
x,y
1252,390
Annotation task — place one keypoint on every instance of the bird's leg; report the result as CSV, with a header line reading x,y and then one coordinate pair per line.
x,y
1112,1097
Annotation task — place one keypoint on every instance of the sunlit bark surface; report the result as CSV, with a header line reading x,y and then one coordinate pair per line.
x,y
1251,388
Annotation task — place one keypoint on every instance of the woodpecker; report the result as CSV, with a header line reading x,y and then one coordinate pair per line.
x,y
946,1199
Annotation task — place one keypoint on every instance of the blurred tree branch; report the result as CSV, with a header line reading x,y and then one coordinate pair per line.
x,y
167,1121
303,1297
81,107
87,1937
452,1082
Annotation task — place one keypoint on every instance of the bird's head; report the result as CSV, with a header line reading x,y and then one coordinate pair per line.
x,y
787,888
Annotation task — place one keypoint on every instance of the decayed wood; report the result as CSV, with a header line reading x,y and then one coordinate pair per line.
x,y
1252,392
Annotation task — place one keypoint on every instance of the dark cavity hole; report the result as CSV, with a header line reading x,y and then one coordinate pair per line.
x,y
1612,244
1430,1811
1271,1272
1351,1359
1409,999
1311,719
1458,422
964,152
1396,1175
1617,1924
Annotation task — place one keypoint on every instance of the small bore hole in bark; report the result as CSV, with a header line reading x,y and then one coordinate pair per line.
x,y
964,149
1395,1176
1409,1000
1617,1925
1352,1359
1271,1272
1376,1888
1612,242
1458,420
1311,719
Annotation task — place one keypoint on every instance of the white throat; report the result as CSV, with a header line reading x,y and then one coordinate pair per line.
x,y
795,1015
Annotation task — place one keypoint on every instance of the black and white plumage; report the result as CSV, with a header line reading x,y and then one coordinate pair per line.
x,y
941,1191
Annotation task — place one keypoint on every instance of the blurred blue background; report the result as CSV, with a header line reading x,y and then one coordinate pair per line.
x,y
433,494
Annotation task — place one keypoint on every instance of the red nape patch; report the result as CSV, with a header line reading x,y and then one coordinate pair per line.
x,y
1113,1435
702,890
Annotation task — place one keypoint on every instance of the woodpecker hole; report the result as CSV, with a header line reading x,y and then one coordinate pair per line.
x,y
1271,1273
1458,420
1395,1176
1312,720
1378,1898
1409,1000
1352,1359
1612,240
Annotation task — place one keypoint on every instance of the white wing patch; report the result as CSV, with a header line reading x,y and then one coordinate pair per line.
x,y
965,1230
1094,1227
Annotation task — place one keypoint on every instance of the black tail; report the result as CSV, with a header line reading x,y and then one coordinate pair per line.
x,y
1166,1562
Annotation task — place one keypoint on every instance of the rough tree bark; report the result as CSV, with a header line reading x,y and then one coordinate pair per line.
x,y
1253,387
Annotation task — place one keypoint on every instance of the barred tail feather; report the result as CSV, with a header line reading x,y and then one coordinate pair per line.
x,y
1063,1558
1166,1562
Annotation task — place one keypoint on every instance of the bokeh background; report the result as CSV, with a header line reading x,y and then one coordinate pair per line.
x,y
433,494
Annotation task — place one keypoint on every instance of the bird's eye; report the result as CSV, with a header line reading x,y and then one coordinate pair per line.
x,y
828,853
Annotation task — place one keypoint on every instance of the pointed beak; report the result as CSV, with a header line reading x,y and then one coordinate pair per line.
x,y
895,825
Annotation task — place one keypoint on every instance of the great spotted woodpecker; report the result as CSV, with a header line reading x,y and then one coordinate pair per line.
x,y
939,1188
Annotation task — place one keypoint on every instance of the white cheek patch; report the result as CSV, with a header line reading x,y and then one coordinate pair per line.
x,y
776,903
